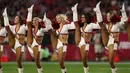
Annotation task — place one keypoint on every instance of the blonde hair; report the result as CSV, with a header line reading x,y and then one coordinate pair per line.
x,y
35,18
64,17
112,13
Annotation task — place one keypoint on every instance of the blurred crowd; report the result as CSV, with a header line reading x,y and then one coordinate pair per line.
x,y
53,7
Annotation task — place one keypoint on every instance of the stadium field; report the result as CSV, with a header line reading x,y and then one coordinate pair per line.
x,y
72,67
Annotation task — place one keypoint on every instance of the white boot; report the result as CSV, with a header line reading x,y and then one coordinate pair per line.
x,y
123,12
86,70
98,13
1,70
5,16
47,22
20,70
75,13
39,70
114,70
63,70
29,17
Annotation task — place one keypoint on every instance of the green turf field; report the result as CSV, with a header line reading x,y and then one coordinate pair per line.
x,y
72,67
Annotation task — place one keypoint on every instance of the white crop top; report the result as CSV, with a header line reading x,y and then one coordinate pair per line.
x,y
40,32
90,27
22,29
115,27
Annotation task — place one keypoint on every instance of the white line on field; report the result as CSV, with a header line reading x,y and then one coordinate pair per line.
x,y
117,68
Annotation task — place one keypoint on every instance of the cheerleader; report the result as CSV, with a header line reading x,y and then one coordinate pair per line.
x,y
83,35
35,37
16,36
59,37
113,26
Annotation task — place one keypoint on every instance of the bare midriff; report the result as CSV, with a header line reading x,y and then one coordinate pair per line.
x,y
87,37
63,38
21,38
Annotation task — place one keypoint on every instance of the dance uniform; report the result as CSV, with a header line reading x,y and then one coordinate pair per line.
x,y
88,29
64,31
22,30
114,29
39,33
